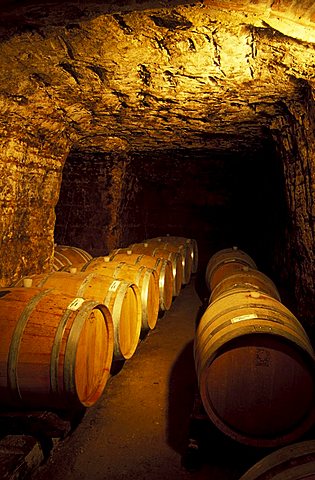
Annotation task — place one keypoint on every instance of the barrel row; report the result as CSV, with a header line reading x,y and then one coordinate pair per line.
x,y
181,252
166,261
63,332
153,271
231,269
254,361
157,272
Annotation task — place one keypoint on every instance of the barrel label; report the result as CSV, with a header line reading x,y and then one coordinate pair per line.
x,y
75,304
114,285
241,318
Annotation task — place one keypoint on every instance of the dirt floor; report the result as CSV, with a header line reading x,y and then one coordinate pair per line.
x,y
141,426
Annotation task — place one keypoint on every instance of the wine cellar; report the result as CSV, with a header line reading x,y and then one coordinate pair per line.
x,y
157,272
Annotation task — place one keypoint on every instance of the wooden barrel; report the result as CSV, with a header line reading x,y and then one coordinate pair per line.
x,y
64,256
255,368
293,462
162,266
224,263
183,250
55,351
145,278
174,257
120,297
191,243
246,279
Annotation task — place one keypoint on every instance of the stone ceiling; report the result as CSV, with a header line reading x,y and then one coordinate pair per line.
x,y
187,76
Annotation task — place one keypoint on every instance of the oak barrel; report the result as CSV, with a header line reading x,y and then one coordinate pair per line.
x,y
224,263
65,255
120,297
255,368
55,351
190,243
245,279
292,462
162,266
145,278
182,249
174,257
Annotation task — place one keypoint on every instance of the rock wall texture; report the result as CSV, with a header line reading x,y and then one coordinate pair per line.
x,y
91,93
96,208
168,75
109,199
30,182
294,136
290,17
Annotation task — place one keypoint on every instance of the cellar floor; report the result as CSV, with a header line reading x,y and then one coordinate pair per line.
x,y
140,427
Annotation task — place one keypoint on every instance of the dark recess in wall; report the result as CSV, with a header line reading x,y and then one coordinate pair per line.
x,y
219,199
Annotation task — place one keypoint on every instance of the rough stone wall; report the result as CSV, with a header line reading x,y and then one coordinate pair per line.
x,y
166,75
30,181
97,202
290,17
294,134
109,200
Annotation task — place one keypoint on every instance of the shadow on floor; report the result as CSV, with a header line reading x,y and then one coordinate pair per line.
x,y
182,388
201,287
192,434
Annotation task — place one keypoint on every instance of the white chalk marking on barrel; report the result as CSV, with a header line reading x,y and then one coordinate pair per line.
x,y
114,285
241,318
75,304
